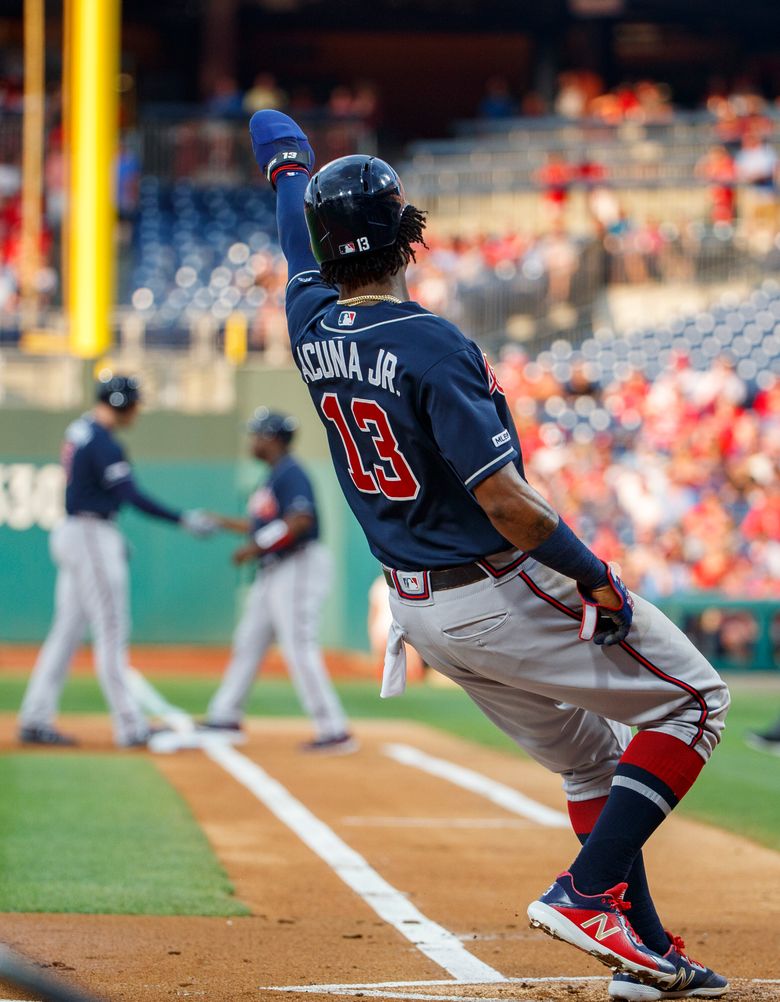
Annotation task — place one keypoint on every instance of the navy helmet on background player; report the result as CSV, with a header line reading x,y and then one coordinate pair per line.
x,y
353,205
119,392
271,424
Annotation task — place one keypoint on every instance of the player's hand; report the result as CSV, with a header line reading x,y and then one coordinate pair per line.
x,y
199,523
607,612
249,551
279,142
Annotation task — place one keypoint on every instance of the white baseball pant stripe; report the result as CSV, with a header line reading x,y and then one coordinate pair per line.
x,y
513,645
91,592
284,604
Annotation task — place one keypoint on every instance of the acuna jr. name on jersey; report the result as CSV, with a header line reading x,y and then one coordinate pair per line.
x,y
324,359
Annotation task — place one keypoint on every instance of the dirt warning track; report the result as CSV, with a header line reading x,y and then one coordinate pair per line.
x,y
399,875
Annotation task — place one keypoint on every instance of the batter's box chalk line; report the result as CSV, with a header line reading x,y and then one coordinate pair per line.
x,y
398,989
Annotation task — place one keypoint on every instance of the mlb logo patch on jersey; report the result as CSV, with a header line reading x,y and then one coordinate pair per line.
x,y
346,318
347,248
501,438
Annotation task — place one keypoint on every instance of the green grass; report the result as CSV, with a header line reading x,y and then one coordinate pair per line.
x,y
739,790
102,834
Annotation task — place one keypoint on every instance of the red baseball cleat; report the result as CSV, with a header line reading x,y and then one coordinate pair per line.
x,y
597,924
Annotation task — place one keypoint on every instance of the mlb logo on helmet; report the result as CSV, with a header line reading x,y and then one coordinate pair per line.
x,y
346,318
347,248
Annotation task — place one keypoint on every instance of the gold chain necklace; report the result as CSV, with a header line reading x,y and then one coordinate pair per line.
x,y
357,300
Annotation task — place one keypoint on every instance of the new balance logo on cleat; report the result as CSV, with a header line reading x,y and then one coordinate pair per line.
x,y
602,932
682,981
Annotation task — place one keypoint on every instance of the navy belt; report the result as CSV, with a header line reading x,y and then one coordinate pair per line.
x,y
102,516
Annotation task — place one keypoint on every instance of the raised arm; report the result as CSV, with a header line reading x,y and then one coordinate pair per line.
x,y
284,155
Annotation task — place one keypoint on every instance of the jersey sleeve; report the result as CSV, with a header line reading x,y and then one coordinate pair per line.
x,y
110,464
306,298
306,295
456,395
294,494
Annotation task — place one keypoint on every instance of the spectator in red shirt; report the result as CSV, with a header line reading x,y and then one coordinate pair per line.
x,y
718,169
763,518
554,177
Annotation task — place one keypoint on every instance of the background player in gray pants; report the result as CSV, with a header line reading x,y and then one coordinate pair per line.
x,y
92,575
286,598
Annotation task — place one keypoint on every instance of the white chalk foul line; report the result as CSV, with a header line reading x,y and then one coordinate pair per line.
x,y
505,796
431,939
476,823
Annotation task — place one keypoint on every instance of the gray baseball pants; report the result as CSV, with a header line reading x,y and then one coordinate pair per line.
x,y
513,644
284,604
91,593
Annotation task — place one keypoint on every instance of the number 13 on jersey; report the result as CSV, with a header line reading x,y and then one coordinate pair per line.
x,y
399,482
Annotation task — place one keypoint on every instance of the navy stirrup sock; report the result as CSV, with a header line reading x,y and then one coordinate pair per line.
x,y
653,775
643,916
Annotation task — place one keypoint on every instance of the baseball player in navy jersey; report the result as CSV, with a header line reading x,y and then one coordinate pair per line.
x,y
91,557
285,600
486,580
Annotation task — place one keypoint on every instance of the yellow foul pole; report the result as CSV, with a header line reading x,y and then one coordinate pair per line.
x,y
93,64
32,157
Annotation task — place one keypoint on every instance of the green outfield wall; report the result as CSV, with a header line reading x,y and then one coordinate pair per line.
x,y
183,590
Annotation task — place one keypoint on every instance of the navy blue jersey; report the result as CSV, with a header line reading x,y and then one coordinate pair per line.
x,y
95,464
287,491
415,420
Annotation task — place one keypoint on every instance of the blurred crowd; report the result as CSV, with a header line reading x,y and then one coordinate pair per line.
x,y
358,100
677,479
582,95
752,165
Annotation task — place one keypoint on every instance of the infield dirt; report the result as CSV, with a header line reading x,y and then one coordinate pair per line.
x,y
463,861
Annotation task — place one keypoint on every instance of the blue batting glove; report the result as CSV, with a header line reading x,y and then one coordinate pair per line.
x,y
279,142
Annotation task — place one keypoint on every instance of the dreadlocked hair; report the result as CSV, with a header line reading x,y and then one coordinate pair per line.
x,y
373,266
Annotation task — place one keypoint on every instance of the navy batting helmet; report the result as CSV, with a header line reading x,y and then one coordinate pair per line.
x,y
353,205
119,392
271,424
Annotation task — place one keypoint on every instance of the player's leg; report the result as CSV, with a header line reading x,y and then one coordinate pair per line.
x,y
68,629
102,576
523,634
587,749
656,681
251,640
303,583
